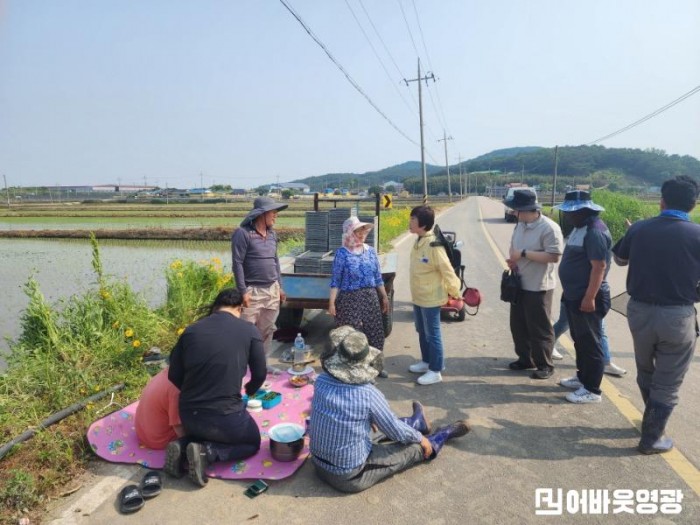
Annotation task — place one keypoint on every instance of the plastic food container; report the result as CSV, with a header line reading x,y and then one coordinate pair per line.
x,y
254,405
268,399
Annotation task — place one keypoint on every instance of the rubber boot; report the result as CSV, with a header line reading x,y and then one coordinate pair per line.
x,y
653,425
443,434
418,419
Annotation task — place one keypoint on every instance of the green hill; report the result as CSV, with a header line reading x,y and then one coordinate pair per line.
x,y
615,168
370,178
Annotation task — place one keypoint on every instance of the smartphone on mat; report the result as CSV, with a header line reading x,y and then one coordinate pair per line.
x,y
256,489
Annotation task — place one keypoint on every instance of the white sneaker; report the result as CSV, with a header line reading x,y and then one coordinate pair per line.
x,y
583,396
571,382
430,378
556,355
420,367
614,370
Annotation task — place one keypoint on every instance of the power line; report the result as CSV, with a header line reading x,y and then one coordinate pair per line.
x,y
342,69
381,62
408,27
649,116
410,34
398,69
430,65
386,48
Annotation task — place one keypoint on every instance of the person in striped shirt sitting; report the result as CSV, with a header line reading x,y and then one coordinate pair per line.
x,y
355,439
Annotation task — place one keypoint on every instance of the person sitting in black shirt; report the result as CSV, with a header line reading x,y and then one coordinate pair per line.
x,y
208,365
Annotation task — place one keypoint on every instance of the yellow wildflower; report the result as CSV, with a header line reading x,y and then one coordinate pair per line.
x,y
180,330
129,332
136,343
176,265
216,261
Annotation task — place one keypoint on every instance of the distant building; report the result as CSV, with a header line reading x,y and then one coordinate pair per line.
x,y
200,191
295,186
398,186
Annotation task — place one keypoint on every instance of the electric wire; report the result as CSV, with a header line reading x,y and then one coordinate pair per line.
x,y
381,62
342,69
386,48
410,34
649,116
439,108
408,27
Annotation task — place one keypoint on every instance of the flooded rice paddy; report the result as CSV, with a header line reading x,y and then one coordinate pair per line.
x,y
63,268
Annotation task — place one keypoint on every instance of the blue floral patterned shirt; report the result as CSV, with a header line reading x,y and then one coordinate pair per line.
x,y
356,271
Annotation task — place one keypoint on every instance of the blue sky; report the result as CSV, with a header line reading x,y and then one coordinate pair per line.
x,y
108,91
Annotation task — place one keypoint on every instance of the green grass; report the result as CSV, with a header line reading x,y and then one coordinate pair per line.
x,y
85,344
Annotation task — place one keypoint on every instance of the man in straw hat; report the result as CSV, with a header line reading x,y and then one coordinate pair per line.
x,y
586,294
355,439
663,282
535,248
256,267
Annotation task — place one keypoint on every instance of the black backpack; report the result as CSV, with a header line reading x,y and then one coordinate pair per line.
x,y
447,241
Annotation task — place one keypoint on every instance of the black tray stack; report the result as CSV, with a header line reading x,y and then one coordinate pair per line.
x,y
336,218
316,231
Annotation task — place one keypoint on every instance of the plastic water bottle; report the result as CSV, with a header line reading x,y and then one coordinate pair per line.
x,y
299,353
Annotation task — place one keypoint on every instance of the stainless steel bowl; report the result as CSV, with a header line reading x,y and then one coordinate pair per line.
x,y
283,450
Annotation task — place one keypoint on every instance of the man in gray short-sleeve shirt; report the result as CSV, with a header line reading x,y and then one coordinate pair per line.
x,y
536,246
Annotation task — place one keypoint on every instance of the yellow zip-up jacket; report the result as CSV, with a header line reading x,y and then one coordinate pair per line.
x,y
432,276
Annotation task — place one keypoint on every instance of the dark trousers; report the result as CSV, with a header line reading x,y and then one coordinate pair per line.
x,y
531,328
227,437
385,459
586,332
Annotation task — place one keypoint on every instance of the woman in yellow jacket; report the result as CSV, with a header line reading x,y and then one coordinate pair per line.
x,y
432,280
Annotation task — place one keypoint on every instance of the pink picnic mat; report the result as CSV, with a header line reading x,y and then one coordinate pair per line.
x,y
113,437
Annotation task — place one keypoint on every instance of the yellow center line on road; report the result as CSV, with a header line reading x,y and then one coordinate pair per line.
x,y
676,460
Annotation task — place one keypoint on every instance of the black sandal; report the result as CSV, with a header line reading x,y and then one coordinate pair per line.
x,y
151,484
130,499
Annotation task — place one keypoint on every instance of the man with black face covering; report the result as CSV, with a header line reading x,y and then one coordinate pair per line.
x,y
586,294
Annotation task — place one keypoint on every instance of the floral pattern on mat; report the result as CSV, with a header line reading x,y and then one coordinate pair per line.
x,y
113,438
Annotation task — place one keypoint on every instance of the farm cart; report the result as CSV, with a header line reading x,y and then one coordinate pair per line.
x,y
312,290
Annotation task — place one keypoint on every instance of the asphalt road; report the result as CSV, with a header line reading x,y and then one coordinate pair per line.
x,y
525,435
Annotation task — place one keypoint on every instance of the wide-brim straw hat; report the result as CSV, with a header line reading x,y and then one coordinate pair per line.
x,y
262,205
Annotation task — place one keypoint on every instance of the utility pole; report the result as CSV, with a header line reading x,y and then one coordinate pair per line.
x,y
444,139
461,188
7,191
419,79
201,186
522,171
167,193
554,182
